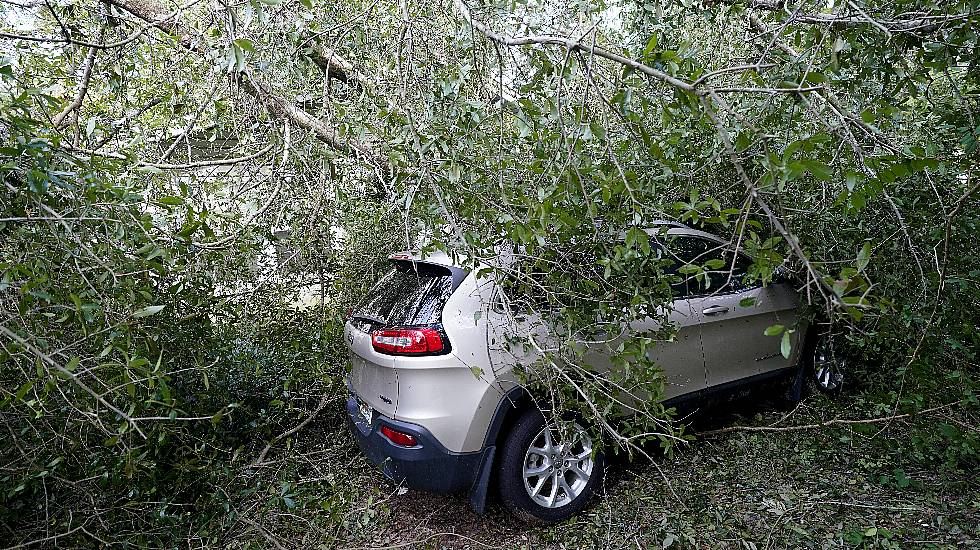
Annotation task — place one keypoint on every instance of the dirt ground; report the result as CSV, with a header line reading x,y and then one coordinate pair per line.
x,y
829,488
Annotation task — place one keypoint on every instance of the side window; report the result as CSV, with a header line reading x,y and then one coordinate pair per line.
x,y
705,267
684,251
526,291
497,303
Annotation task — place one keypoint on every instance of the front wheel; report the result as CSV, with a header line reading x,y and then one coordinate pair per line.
x,y
821,370
824,366
543,478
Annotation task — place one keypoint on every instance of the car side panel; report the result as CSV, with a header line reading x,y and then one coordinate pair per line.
x,y
681,358
733,334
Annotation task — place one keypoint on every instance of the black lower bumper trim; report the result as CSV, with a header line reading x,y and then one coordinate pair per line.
x,y
427,466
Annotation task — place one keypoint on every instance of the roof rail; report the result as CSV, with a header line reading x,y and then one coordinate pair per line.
x,y
668,223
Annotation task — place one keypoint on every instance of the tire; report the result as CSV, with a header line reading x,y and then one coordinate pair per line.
x,y
810,378
823,365
561,472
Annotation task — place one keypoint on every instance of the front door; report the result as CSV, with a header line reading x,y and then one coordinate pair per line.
x,y
733,329
734,316
679,357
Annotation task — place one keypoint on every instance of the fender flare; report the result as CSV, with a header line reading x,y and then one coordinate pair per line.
x,y
515,399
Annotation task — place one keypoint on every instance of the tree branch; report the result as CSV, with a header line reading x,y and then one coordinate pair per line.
x,y
323,403
59,119
571,45
70,375
827,424
186,166
194,41
335,66
906,22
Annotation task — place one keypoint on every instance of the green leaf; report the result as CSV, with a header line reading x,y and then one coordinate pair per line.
x,y
24,389
743,141
774,330
816,78
245,44
864,256
147,311
747,302
171,201
651,45
819,170
188,229
858,200
784,345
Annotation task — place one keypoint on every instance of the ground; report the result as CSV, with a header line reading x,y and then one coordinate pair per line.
x,y
851,486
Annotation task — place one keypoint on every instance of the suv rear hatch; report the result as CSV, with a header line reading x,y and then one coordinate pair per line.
x,y
412,294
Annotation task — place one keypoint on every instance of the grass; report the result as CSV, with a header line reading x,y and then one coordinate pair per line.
x,y
849,486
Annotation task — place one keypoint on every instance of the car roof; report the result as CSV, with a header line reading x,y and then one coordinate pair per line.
x,y
654,228
689,231
437,257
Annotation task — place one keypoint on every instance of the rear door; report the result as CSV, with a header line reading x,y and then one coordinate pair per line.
x,y
680,358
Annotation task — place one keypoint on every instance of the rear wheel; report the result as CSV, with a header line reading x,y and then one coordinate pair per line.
x,y
545,478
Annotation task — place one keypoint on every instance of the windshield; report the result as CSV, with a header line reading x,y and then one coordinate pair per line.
x,y
411,293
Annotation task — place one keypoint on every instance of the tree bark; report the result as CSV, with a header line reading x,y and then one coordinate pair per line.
x,y
334,65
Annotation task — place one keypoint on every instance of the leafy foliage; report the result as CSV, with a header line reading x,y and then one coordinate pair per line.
x,y
190,202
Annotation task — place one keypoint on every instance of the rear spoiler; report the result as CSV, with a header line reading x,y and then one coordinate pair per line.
x,y
458,274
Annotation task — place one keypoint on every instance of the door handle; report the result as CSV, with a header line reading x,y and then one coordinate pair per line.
x,y
715,310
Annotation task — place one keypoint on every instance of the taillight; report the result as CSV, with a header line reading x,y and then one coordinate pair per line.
x,y
399,438
407,341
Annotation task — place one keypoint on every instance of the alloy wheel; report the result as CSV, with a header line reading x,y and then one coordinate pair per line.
x,y
555,472
826,366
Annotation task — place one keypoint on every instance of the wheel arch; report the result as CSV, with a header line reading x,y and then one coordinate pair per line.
x,y
510,407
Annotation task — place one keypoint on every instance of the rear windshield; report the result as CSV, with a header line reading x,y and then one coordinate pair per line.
x,y
412,293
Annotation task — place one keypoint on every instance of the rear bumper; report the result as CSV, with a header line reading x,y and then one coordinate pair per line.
x,y
427,467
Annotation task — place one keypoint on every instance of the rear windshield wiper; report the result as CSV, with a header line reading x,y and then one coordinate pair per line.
x,y
366,317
